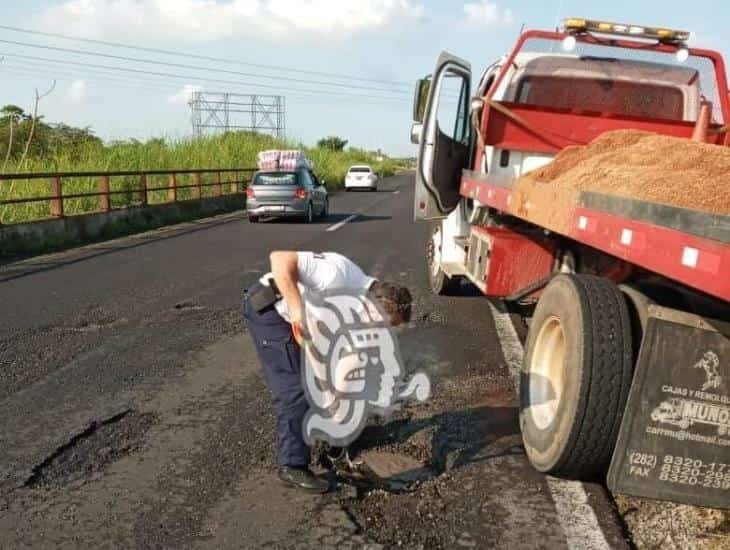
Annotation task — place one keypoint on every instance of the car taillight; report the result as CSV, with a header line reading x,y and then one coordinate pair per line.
x,y
249,193
301,193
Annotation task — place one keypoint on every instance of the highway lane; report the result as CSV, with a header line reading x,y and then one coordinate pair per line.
x,y
134,413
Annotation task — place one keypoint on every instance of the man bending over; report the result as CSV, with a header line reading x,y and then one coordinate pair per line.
x,y
273,309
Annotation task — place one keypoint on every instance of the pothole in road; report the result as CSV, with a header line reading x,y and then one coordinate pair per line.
x,y
94,318
188,306
399,455
429,319
429,462
89,452
88,326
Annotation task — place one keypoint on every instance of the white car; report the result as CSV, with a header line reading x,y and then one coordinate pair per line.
x,y
361,177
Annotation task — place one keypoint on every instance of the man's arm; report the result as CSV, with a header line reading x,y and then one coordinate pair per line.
x,y
284,268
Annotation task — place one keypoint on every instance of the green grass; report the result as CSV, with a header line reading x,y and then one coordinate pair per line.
x,y
234,150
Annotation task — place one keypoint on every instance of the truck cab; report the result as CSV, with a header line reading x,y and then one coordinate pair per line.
x,y
611,284
481,128
591,84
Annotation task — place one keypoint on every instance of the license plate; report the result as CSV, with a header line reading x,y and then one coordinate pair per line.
x,y
275,208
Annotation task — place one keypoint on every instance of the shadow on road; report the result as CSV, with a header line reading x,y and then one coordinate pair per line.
x,y
381,191
329,220
87,252
457,438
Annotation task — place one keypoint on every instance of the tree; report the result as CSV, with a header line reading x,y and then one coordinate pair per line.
x,y
46,139
15,130
10,115
64,137
34,119
333,143
156,142
12,111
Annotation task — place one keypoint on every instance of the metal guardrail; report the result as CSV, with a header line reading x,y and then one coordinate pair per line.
x,y
236,178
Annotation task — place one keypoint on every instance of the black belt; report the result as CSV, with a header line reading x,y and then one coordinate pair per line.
x,y
263,296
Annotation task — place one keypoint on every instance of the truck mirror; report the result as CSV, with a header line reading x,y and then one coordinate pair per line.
x,y
420,97
416,131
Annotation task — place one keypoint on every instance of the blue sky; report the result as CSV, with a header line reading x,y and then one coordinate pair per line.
x,y
386,43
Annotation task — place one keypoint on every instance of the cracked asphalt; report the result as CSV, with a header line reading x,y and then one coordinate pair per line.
x,y
133,413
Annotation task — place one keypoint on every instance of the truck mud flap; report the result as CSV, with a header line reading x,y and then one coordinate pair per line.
x,y
674,442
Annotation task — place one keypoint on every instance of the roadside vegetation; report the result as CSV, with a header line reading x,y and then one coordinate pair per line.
x,y
62,148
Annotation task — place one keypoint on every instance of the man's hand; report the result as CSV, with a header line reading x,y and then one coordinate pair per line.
x,y
284,268
298,333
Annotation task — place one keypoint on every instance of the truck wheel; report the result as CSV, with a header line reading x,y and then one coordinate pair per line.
x,y
576,376
439,283
253,219
638,304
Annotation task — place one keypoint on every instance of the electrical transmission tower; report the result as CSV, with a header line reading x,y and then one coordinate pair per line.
x,y
218,111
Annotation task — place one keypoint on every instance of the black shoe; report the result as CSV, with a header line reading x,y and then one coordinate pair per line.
x,y
303,478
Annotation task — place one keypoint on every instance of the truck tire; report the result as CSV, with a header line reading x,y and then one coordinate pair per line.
x,y
439,283
576,376
253,219
638,304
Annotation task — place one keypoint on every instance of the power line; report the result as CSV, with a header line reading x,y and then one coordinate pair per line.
x,y
30,73
197,77
30,70
199,68
201,57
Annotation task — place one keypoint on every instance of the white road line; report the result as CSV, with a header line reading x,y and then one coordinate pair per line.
x,y
343,222
356,214
576,516
510,342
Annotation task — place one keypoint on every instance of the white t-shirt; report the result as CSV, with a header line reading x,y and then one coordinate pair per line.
x,y
324,271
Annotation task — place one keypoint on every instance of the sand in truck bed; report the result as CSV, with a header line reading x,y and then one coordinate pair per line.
x,y
641,165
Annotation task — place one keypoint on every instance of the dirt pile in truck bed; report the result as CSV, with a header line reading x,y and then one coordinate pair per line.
x,y
644,166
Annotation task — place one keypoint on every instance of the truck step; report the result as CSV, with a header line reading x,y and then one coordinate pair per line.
x,y
462,242
453,269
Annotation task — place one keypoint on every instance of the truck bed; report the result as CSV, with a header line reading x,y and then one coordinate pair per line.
x,y
687,246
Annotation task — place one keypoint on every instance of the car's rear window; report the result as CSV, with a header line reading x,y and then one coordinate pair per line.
x,y
360,169
275,179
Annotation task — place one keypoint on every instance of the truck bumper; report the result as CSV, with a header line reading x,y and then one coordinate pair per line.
x,y
293,208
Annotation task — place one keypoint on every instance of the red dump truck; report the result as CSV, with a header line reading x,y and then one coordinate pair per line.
x,y
627,299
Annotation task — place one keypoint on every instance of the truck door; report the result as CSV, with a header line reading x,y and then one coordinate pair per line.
x,y
442,131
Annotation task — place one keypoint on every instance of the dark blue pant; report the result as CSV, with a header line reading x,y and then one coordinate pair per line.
x,y
281,362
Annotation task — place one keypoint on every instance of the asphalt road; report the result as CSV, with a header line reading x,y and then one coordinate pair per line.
x,y
133,414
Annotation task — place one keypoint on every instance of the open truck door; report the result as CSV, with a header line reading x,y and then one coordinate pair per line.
x,y
442,131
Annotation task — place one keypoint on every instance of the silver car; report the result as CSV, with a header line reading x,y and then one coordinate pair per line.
x,y
293,194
